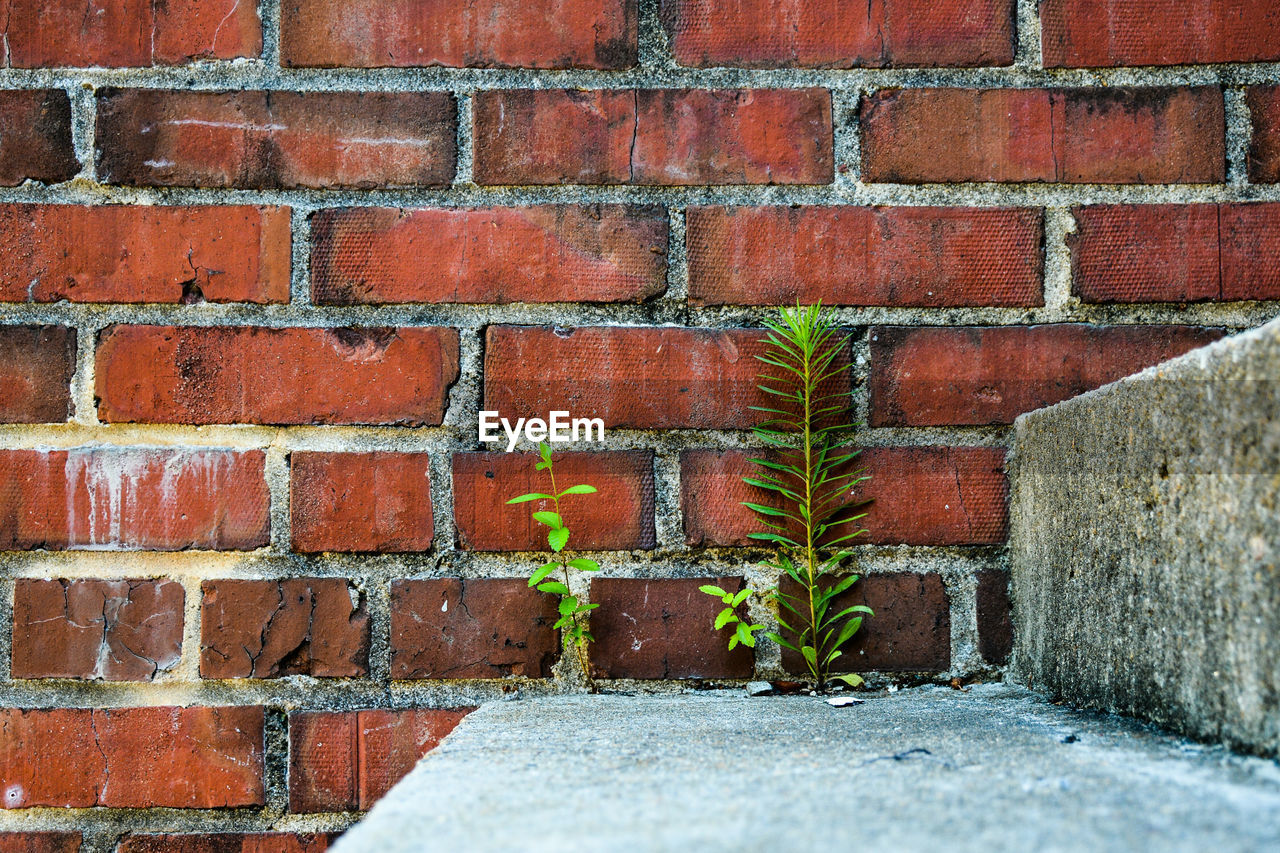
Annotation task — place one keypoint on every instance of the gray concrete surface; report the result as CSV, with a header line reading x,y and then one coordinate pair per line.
x,y
994,768
1145,544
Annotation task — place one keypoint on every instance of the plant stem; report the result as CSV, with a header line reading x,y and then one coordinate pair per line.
x,y
564,565
808,505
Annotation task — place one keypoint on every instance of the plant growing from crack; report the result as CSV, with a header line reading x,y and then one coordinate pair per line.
x,y
572,611
812,476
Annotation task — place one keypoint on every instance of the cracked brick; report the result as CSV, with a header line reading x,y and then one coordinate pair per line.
x,y
274,628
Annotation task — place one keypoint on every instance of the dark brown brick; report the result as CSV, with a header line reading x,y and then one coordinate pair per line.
x,y
1264,145
36,366
39,842
226,842
35,137
995,623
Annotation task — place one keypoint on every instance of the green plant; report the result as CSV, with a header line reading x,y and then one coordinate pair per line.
x,y
572,611
812,476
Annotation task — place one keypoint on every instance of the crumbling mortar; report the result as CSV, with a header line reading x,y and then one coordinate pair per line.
x,y
1058,301
1027,47
1239,135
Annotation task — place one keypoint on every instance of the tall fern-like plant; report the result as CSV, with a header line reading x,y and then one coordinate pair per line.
x,y
813,475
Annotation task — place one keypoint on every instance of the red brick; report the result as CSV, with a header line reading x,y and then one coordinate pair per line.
x,y
39,842
542,253
598,34
990,375
245,374
124,33
345,760
226,842
1176,252
898,256
918,496
995,625
36,366
1107,136
133,498
618,517
910,631
662,628
472,628
631,377
673,137
122,630
1099,33
264,140
135,253
375,502
838,34
1264,147
132,757
35,137
274,628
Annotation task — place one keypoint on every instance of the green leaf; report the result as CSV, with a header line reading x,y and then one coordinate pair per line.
x,y
553,587
568,605
725,617
851,679
850,628
532,496
544,450
733,642
579,490
741,596
782,641
550,519
845,583
712,590
562,622
743,632
542,572
558,538
810,655
584,608
582,564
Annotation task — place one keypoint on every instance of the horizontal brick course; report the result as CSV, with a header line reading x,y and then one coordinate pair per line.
x,y
837,34
619,516
991,374
195,757
274,628
269,140
246,374
1107,136
640,377
130,253
35,137
472,628
36,366
1175,252
916,496
896,256
226,842
114,630
346,760
599,34
133,498
673,137
360,502
541,253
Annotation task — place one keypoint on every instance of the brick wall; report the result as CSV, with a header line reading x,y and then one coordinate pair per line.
x,y
261,266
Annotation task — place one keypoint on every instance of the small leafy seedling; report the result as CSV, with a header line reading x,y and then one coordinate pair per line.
x,y
572,611
743,632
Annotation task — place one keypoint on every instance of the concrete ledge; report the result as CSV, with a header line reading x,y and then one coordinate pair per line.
x,y
1145,544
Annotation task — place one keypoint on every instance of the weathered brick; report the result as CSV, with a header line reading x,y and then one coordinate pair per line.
x,y
645,378
838,34
263,140
35,137
910,631
618,517
39,842
36,366
991,374
541,253
673,137
897,256
995,625
916,495
472,628
226,842
113,630
1175,252
375,502
133,498
245,374
124,33
662,628
599,34
345,760
274,628
1116,135
1264,146
136,253
197,757
1099,33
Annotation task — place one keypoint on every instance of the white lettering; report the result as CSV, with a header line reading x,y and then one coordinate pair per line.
x,y
586,424
560,429
513,435
536,430
489,423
